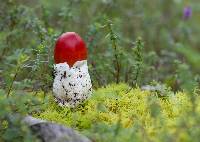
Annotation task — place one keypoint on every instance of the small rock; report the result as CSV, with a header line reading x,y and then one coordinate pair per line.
x,y
51,132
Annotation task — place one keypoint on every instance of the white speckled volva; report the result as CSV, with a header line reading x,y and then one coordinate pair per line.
x,y
71,85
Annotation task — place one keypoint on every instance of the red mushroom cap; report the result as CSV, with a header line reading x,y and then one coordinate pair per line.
x,y
70,48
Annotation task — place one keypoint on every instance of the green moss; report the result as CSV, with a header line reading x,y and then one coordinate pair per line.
x,y
111,104
111,114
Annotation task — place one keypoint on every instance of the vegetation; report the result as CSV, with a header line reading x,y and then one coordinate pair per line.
x,y
151,45
114,115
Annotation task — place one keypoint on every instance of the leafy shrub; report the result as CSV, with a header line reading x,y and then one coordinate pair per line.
x,y
13,109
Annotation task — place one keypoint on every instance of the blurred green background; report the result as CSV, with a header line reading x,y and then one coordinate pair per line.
x,y
170,55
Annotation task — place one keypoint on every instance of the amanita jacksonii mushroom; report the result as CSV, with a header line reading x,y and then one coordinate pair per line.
x,y
72,84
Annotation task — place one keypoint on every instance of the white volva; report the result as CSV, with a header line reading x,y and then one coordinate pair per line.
x,y
71,85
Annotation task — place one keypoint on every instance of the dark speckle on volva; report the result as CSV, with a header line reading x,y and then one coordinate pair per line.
x,y
72,86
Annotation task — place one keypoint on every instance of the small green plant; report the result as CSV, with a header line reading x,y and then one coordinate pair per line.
x,y
22,58
185,78
138,59
123,64
116,61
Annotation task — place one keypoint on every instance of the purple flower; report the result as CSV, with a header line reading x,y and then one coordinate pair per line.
x,y
187,12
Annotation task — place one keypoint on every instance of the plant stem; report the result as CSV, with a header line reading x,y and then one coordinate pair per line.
x,y
139,62
114,45
11,85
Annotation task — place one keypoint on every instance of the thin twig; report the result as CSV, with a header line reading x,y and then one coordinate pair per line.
x,y
114,45
14,78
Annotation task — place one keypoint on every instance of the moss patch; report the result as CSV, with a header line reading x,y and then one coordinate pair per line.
x,y
111,114
112,104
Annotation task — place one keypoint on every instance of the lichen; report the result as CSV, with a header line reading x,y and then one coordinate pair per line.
x,y
113,104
